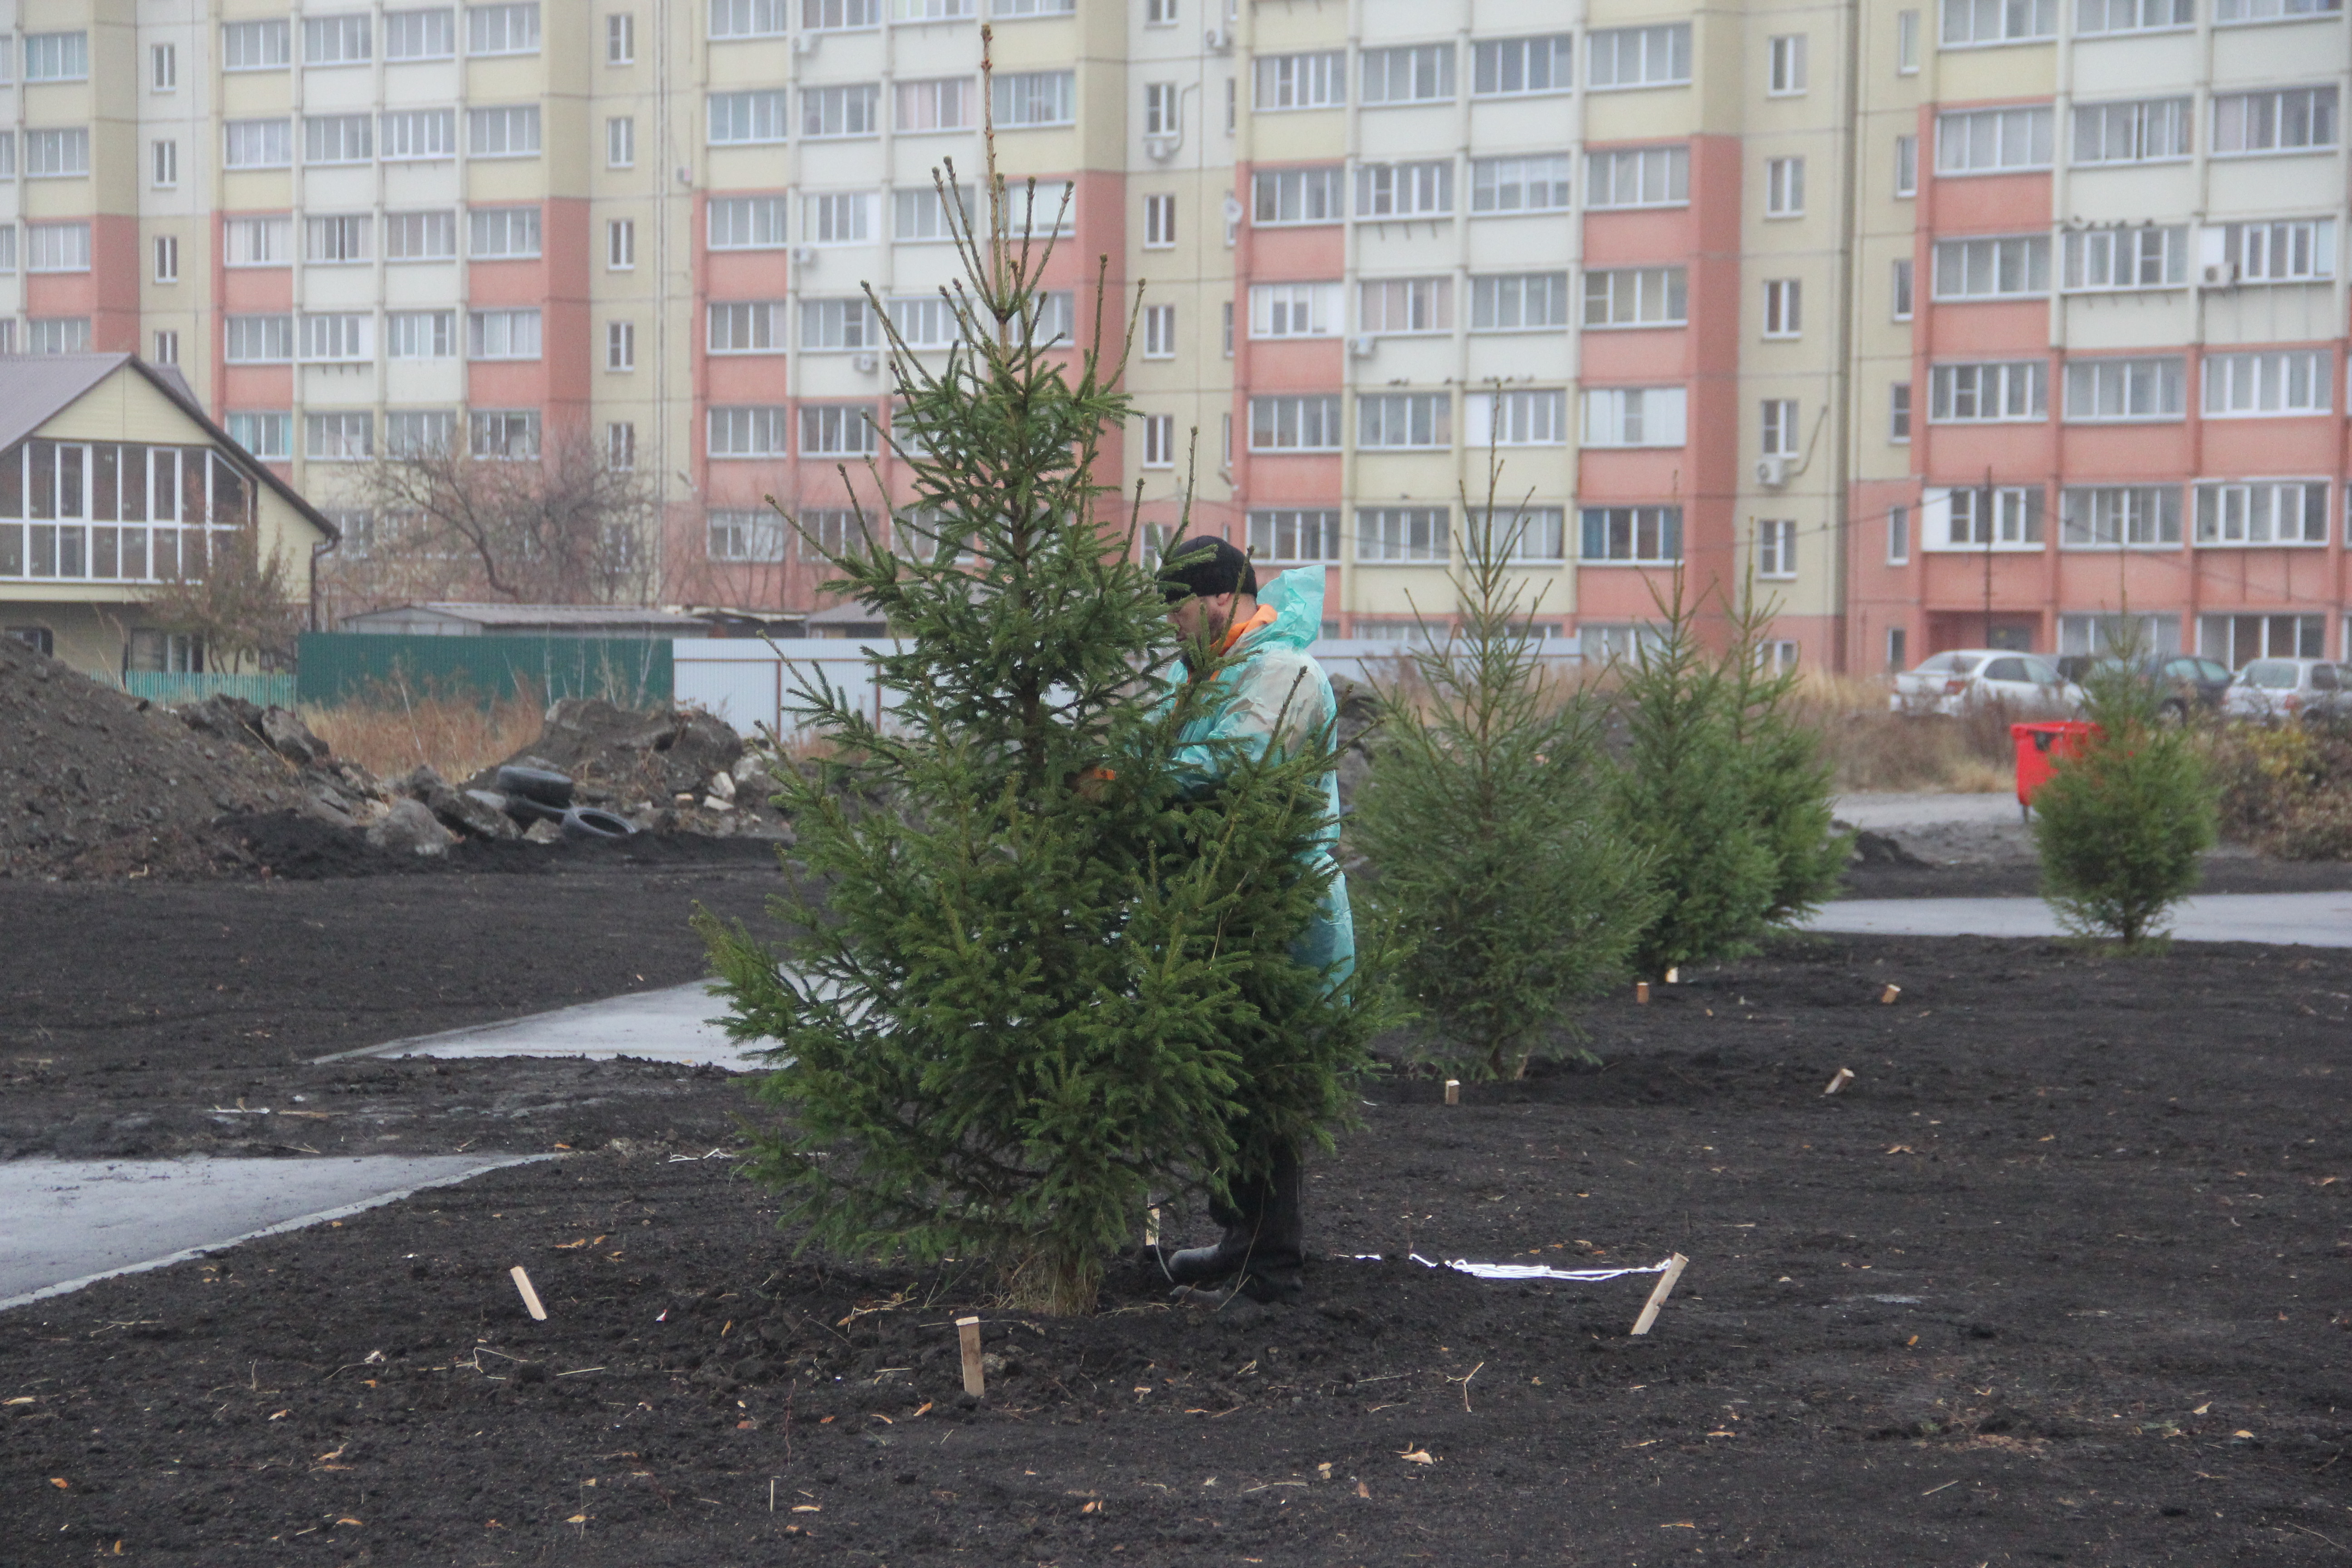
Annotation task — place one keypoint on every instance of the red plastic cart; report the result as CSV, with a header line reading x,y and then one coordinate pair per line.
x,y
2039,747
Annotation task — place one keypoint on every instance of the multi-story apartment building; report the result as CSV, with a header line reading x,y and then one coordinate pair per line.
x,y
1940,325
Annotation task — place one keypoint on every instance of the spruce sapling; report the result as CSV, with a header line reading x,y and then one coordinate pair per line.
x,y
1789,778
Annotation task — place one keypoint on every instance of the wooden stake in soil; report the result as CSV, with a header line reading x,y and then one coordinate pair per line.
x,y
1844,1076
1665,1288
1453,1091
1642,992
968,1337
1888,996
1151,1225
1674,976
529,1296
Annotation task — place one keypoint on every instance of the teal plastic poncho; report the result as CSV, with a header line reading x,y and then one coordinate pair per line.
x,y
1271,692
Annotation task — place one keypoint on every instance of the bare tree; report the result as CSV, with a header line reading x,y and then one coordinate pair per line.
x,y
243,604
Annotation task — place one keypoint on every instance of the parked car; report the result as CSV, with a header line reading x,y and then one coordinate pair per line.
x,y
1948,682
2187,682
2275,689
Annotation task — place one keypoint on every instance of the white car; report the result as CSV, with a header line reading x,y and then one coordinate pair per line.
x,y
1966,677
2287,689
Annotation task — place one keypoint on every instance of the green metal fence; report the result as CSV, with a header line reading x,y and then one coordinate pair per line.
x,y
336,667
172,690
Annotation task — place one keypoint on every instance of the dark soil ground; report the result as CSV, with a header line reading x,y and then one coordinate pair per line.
x,y
2060,1279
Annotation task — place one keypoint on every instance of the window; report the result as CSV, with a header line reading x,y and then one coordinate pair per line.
x,y
1294,309
1901,288
620,244
2237,639
1399,305
1642,535
746,536
922,214
2242,385
167,346
343,436
854,109
1519,185
833,15
7,156
163,68
621,49
166,164
1159,223
1785,66
1638,57
1907,42
2291,120
259,340
2127,258
337,40
1518,301
57,154
1979,393
1288,536
2121,389
257,143
1036,98
1907,165
2135,16
1521,418
621,445
426,35
167,258
1163,115
1031,7
2112,516
416,432
748,18
621,142
502,334
2300,251
257,241
420,236
1992,141
746,223
2007,516
510,30
839,324
837,218
1520,533
1775,548
1296,195
945,104
745,327
2144,131
1784,187
247,45
1998,21
1405,419
1898,413
339,238
1784,307
932,10
1504,67
1635,417
419,334
1158,331
1637,296
509,433
7,262
494,233
740,118
338,137
1225,310
1309,423
1781,437
509,131
1414,73
1898,549
2225,11
1160,13
837,430
1404,190
416,135
1160,440
1317,80
926,322
57,247
1637,177
57,335
269,437
2014,268
1401,533
620,345
2263,511
747,432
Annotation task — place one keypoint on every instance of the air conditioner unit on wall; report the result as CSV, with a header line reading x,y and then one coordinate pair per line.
x,y
1162,147
1362,345
1772,472
805,255
1218,40
2220,274
866,364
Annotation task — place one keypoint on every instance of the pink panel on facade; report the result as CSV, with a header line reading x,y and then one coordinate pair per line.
x,y
745,274
247,289
1957,582
2301,580
1306,255
522,384
495,284
1717,292
1645,238
1283,366
257,387
1294,481
1621,593
2014,329
1651,475
748,378
114,254
1636,358
2278,447
2151,451
1991,204
2012,453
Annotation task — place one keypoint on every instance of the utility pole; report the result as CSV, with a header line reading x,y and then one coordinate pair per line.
x,y
1985,520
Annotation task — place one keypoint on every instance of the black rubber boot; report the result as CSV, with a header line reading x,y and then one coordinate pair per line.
x,y
1264,1237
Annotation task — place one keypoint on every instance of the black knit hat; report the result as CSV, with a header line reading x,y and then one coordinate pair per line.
x,y
1204,567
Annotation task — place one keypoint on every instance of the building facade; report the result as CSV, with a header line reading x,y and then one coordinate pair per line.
x,y
1975,322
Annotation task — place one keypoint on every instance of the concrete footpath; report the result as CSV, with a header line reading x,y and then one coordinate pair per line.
x,y
2284,920
671,1024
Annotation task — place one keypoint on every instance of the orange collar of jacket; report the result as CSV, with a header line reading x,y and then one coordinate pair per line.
x,y
1233,634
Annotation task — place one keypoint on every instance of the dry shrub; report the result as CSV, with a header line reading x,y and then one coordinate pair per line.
x,y
2286,789
1874,749
393,728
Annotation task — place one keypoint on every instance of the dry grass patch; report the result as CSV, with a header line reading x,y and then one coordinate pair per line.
x,y
395,730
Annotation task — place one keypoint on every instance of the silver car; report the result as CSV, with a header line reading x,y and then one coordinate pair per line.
x,y
1964,677
2274,688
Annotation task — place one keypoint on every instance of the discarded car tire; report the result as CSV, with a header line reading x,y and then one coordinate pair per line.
x,y
540,784
589,822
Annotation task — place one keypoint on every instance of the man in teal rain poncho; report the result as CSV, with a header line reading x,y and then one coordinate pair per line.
x,y
1269,693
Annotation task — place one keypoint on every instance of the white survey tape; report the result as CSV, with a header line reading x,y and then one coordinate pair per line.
x,y
1521,1270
